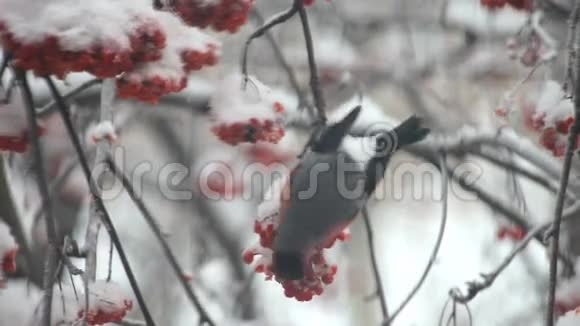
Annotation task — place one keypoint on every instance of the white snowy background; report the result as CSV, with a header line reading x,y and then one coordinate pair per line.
x,y
376,48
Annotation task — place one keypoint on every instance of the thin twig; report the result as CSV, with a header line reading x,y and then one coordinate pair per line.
x,y
444,194
377,275
4,66
204,316
302,99
104,214
275,20
55,187
208,214
475,287
572,49
319,102
110,266
51,261
427,152
9,213
571,145
94,224
521,171
51,106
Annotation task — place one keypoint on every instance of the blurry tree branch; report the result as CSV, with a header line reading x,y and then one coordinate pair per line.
x,y
103,212
567,165
433,257
9,213
54,242
203,315
207,213
380,293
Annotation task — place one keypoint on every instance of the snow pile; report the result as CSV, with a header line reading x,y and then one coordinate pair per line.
x,y
246,111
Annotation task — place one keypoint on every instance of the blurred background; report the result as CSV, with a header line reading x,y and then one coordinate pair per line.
x,y
447,61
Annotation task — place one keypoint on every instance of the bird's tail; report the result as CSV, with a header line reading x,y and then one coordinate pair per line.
x,y
408,132
288,265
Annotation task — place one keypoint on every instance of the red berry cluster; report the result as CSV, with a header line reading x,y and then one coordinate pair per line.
x,y
318,271
227,15
101,317
511,232
250,131
552,137
8,262
149,89
516,4
18,144
103,60
8,250
195,60
103,309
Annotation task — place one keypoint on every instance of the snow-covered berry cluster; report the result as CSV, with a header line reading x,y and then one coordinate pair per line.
x,y
187,49
529,49
552,117
246,111
59,37
221,15
104,130
319,272
516,4
8,250
151,52
107,304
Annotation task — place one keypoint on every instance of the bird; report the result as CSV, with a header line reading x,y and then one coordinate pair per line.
x,y
327,189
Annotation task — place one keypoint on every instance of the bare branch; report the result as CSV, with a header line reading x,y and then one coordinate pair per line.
x,y
474,287
51,261
104,214
444,194
571,145
273,21
319,102
204,316
50,107
377,275
9,213
302,99
427,151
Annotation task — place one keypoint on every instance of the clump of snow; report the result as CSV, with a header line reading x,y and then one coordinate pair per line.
x,y
246,110
107,303
235,99
572,318
102,131
552,104
187,49
180,39
77,24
